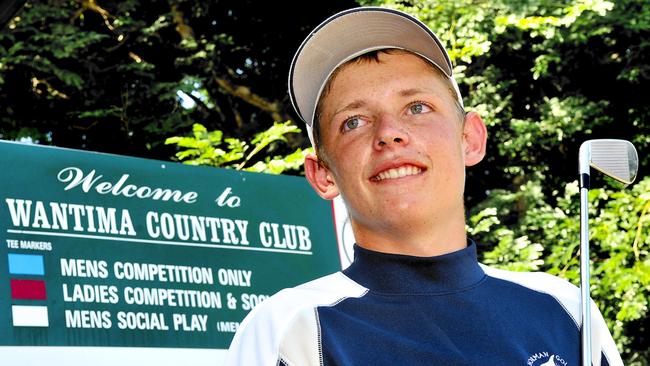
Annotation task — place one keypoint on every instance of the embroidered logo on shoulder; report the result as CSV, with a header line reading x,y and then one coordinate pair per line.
x,y
546,359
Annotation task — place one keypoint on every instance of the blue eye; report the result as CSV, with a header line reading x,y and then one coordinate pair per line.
x,y
352,123
418,108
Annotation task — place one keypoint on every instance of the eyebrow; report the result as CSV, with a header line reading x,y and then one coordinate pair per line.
x,y
411,92
360,102
355,104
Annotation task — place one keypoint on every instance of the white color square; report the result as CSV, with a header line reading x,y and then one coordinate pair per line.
x,y
29,316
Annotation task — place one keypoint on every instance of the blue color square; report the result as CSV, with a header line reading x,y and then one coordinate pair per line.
x,y
26,264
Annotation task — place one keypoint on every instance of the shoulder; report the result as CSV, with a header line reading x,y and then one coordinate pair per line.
x,y
323,291
538,281
327,290
568,295
286,322
564,292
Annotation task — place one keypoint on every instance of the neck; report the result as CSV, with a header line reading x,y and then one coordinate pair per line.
x,y
438,236
403,274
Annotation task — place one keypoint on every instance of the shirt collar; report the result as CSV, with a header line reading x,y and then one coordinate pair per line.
x,y
404,274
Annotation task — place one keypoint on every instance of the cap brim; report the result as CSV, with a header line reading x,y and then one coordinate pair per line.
x,y
349,34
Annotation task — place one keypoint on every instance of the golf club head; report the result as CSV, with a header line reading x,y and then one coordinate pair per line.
x,y
616,159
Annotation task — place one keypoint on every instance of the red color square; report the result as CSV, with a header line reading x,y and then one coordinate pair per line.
x,y
28,289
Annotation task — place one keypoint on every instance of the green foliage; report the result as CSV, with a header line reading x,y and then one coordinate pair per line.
x,y
546,236
121,76
212,149
63,42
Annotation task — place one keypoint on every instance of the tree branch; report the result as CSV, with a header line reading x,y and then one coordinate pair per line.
x,y
183,29
92,6
244,93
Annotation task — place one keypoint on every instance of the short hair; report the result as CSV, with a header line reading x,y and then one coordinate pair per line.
x,y
373,56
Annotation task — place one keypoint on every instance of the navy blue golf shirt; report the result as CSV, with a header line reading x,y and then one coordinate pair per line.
x,y
388,309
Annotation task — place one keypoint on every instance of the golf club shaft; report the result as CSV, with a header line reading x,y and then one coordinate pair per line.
x,y
585,299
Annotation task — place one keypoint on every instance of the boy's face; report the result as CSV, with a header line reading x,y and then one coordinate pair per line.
x,y
395,145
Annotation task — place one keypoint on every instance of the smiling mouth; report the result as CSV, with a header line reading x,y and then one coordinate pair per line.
x,y
395,173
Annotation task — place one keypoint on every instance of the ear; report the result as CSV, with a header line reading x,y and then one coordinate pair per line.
x,y
320,177
474,138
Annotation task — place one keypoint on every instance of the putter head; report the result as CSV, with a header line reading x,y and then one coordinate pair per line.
x,y
616,159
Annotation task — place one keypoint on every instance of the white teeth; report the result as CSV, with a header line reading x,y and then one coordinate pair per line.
x,y
400,172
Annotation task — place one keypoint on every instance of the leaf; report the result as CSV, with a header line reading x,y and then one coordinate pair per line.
x,y
207,148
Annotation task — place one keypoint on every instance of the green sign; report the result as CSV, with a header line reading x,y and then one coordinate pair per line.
x,y
111,251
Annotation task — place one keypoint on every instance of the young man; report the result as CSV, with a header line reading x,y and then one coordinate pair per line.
x,y
375,88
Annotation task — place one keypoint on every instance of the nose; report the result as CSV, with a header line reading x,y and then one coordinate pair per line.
x,y
389,132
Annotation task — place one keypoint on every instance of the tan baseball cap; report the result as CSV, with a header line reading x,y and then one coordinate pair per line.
x,y
349,34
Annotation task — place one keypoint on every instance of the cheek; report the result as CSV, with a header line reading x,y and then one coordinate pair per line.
x,y
448,157
343,168
347,154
